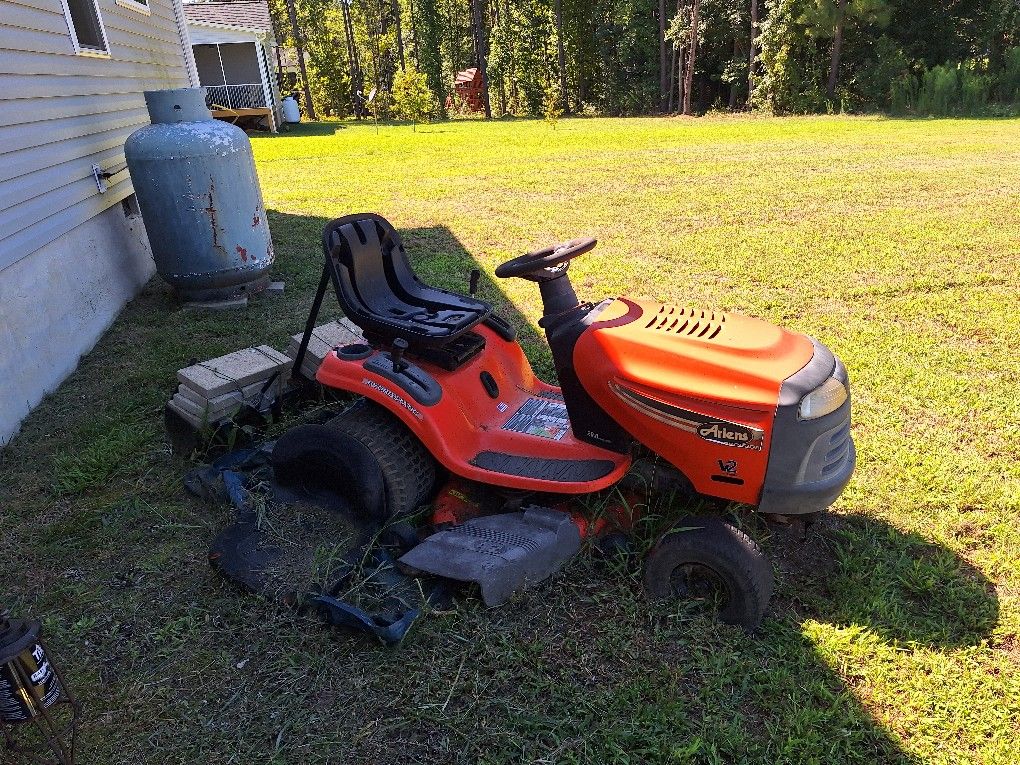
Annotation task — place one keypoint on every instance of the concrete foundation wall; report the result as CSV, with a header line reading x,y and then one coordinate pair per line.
x,y
57,302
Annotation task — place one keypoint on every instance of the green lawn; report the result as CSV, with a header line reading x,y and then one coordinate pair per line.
x,y
894,633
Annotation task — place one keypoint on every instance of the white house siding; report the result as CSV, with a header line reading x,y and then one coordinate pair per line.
x,y
69,259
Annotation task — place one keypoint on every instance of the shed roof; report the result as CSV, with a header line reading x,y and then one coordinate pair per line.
x,y
245,14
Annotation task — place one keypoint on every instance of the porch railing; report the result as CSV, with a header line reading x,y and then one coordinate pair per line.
x,y
247,96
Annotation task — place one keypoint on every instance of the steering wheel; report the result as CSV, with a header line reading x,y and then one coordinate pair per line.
x,y
527,266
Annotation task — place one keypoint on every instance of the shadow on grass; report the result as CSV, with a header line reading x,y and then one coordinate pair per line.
x,y
856,573
998,117
862,571
884,591
302,129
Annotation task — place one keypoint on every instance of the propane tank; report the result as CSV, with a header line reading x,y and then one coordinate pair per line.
x,y
291,112
194,178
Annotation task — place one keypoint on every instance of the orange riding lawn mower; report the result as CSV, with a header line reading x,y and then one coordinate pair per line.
x,y
652,397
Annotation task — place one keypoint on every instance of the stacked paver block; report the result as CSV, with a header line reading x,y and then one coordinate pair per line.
x,y
213,391
324,338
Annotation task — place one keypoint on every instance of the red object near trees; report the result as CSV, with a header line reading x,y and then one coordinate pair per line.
x,y
468,86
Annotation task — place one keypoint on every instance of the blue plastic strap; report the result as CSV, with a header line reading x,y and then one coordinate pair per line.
x,y
344,614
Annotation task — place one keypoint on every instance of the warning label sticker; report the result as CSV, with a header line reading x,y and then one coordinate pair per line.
x,y
540,417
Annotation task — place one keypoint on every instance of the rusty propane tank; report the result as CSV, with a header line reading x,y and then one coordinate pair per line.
x,y
194,178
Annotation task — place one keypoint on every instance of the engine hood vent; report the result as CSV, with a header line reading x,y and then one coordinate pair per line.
x,y
692,322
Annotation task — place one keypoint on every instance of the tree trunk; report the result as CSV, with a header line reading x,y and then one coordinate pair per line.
x,y
752,58
680,77
279,56
395,4
692,57
664,71
384,64
675,72
501,97
672,79
414,34
376,67
357,78
561,55
496,21
837,50
454,40
299,48
733,85
996,49
482,50
513,98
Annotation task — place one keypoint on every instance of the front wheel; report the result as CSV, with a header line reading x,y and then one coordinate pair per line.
x,y
710,561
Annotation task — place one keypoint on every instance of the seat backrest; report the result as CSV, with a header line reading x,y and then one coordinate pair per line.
x,y
362,249
379,290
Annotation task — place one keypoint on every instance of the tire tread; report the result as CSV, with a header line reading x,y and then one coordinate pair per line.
x,y
409,470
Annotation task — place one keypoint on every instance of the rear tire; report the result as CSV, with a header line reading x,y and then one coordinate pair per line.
x,y
409,471
707,559
314,457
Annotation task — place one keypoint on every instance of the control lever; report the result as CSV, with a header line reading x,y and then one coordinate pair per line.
x,y
397,354
473,281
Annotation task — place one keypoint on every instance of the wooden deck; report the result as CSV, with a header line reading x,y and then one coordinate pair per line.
x,y
242,117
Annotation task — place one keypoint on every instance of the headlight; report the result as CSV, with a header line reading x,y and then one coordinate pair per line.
x,y
823,400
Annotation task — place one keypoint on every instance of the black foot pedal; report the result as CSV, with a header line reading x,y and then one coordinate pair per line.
x,y
502,553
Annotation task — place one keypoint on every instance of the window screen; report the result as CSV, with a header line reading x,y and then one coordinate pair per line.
x,y
85,20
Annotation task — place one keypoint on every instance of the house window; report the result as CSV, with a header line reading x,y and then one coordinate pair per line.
x,y
142,6
86,27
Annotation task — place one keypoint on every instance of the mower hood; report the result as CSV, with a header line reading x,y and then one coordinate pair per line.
x,y
725,359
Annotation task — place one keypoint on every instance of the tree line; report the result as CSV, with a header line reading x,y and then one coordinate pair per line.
x,y
630,57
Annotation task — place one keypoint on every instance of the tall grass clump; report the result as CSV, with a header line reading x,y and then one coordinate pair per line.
x,y
953,90
1007,82
959,89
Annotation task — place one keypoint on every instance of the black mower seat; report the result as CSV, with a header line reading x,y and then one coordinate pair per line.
x,y
380,292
